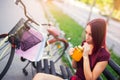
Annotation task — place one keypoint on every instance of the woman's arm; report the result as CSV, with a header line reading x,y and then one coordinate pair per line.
x,y
98,69
74,64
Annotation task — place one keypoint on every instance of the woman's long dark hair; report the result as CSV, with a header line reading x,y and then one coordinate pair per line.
x,y
98,30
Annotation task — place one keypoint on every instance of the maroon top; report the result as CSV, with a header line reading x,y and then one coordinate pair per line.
x,y
102,55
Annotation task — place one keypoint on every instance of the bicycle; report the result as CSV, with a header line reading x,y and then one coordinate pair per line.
x,y
11,42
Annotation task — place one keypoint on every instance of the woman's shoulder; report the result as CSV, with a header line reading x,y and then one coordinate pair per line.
x,y
103,54
104,51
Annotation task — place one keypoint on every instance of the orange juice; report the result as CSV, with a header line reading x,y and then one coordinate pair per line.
x,y
77,53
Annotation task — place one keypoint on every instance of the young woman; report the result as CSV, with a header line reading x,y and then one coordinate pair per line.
x,y
95,54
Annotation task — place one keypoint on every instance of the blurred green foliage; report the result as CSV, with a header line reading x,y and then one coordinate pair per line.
x,y
72,29
106,7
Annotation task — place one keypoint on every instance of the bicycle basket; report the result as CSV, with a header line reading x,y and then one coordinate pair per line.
x,y
29,38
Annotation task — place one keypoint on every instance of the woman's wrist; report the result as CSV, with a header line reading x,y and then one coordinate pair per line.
x,y
85,56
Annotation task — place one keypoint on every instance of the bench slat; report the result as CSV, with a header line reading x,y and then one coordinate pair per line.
x,y
99,78
63,72
39,66
52,68
68,72
114,66
108,75
46,66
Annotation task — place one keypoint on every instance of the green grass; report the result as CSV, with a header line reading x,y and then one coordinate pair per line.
x,y
71,28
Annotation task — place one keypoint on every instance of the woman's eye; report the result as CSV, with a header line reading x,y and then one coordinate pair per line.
x,y
90,34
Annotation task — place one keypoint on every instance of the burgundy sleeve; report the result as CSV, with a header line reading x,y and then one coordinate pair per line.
x,y
103,56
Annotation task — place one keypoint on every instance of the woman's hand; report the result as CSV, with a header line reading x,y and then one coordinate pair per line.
x,y
71,51
86,49
74,64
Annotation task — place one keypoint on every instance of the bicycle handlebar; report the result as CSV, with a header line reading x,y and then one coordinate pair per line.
x,y
25,12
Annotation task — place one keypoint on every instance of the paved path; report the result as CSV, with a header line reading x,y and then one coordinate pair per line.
x,y
79,12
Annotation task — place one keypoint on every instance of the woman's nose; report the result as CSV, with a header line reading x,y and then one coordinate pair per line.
x,y
87,36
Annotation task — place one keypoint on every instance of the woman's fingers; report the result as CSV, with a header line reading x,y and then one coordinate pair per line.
x,y
86,49
71,51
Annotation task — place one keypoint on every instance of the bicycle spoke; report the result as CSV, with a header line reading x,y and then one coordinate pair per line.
x,y
4,46
4,56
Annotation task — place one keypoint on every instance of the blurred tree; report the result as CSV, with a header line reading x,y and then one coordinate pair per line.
x,y
109,8
91,9
116,4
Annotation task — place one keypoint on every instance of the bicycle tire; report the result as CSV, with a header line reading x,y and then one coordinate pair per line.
x,y
8,62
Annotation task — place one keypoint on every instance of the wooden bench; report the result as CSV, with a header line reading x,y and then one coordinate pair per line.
x,y
109,75
46,66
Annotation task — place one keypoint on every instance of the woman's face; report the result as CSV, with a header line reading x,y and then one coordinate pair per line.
x,y
88,35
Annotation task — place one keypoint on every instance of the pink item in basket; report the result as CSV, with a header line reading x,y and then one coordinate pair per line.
x,y
35,52
30,38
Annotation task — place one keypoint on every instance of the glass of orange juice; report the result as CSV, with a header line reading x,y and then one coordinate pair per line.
x,y
77,53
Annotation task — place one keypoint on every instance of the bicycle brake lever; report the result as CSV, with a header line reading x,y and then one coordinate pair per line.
x,y
17,1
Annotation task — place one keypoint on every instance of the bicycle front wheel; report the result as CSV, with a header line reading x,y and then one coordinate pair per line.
x,y
53,52
56,49
6,57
